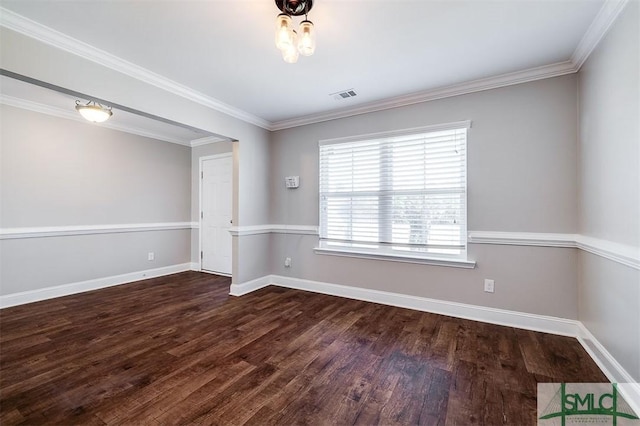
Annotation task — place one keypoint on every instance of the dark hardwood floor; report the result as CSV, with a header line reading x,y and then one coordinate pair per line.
x,y
179,350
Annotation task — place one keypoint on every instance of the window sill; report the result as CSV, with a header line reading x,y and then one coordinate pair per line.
x,y
393,257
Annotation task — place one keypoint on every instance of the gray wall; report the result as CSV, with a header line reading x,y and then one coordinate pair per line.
x,y
58,172
538,280
521,177
609,196
521,155
609,93
37,263
526,173
25,56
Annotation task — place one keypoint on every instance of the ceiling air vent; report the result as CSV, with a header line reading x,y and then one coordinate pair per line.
x,y
338,96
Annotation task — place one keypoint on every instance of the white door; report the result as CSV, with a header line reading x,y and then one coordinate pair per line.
x,y
216,184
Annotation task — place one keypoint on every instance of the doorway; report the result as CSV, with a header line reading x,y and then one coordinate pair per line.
x,y
216,183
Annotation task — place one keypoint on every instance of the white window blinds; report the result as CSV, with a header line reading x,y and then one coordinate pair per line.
x,y
402,191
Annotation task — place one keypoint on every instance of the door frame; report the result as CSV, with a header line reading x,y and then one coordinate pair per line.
x,y
201,161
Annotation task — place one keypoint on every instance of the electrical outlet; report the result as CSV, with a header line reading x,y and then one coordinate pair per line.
x,y
151,256
489,286
287,262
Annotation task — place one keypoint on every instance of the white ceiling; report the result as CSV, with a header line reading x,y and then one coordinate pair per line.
x,y
382,49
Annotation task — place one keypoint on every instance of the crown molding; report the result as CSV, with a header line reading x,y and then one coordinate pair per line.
x,y
54,38
207,140
597,30
532,74
72,115
608,13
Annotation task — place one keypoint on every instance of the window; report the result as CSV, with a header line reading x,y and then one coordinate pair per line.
x,y
396,194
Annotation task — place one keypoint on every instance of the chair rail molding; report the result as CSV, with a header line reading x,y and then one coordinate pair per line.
x,y
63,231
620,253
522,238
240,231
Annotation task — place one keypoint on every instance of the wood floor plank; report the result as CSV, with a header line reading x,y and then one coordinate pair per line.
x,y
180,350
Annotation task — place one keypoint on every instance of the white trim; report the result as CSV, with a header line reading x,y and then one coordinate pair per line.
x,y
72,115
621,253
608,13
201,160
624,254
597,30
392,257
194,266
208,140
295,229
62,41
610,367
522,320
527,321
89,285
532,74
522,239
221,274
250,286
65,231
465,124
607,363
241,231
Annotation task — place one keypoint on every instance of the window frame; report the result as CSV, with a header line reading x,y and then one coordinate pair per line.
x,y
385,251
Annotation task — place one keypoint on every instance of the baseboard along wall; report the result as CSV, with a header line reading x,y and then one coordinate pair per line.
x,y
21,298
527,321
546,324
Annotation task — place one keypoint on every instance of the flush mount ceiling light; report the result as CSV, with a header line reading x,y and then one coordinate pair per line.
x,y
290,42
94,111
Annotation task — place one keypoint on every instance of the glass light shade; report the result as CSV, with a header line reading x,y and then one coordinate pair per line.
x,y
94,113
284,31
290,53
307,38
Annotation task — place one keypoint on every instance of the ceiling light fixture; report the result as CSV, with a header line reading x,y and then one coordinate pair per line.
x,y
290,42
93,111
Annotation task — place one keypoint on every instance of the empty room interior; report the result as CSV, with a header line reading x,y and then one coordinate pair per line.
x,y
320,212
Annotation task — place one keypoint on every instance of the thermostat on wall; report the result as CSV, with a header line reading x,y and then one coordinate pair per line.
x,y
292,181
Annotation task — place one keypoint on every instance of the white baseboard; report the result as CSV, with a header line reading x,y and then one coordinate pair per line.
x,y
194,266
546,324
21,298
253,285
611,368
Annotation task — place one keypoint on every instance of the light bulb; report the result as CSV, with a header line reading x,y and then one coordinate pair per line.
x,y
307,42
284,30
94,113
290,53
